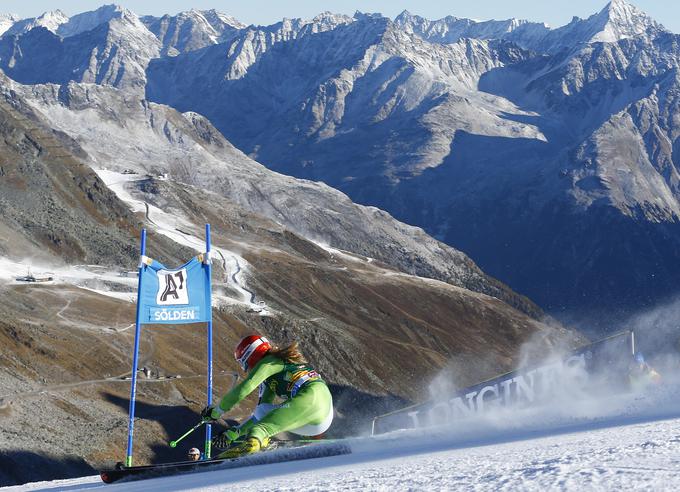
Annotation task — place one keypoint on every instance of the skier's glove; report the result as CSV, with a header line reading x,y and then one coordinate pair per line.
x,y
224,440
211,413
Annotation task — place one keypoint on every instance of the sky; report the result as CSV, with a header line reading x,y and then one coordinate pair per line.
x,y
553,12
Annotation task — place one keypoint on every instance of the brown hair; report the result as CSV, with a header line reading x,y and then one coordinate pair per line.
x,y
291,353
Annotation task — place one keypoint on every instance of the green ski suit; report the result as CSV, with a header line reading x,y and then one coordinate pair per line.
x,y
308,402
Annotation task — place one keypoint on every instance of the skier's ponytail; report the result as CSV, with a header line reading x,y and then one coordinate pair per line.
x,y
291,354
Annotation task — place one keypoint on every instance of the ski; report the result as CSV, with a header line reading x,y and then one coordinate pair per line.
x,y
148,471
279,455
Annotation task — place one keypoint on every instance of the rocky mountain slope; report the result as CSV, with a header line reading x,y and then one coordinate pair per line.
x,y
618,20
49,20
188,149
518,144
54,207
451,29
7,21
192,30
109,46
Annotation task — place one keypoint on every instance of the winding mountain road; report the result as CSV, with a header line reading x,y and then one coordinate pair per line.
x,y
236,281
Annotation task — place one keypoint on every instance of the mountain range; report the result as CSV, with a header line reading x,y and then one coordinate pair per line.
x,y
516,143
401,180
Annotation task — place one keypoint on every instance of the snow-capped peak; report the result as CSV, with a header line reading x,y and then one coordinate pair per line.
x,y
291,28
59,23
52,19
7,21
214,16
192,29
405,15
327,16
616,21
217,20
328,20
49,20
450,29
90,20
619,20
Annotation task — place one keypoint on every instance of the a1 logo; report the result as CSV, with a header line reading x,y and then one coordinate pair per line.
x,y
172,287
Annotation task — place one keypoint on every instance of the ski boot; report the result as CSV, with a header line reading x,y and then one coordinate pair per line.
x,y
225,439
249,446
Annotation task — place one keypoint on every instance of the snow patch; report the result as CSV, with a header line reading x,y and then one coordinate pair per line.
x,y
174,227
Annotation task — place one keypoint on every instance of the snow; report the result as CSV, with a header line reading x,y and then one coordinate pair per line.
x,y
618,20
451,29
7,21
622,20
338,252
80,276
632,444
171,225
589,438
49,20
174,226
11,269
214,17
87,21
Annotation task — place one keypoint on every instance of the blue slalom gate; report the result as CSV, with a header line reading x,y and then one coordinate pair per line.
x,y
172,296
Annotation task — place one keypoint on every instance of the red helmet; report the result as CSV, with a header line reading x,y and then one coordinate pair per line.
x,y
250,350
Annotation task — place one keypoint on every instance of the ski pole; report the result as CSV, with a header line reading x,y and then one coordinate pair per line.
x,y
173,444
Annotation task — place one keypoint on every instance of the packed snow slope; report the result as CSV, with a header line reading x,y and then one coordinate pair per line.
x,y
628,442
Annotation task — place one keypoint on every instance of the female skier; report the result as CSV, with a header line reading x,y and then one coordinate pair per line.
x,y
307,409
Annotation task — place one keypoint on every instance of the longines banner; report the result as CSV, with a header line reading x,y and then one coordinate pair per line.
x,y
608,359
